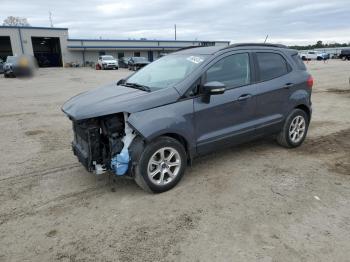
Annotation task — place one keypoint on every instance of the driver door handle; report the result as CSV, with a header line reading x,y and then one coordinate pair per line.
x,y
244,97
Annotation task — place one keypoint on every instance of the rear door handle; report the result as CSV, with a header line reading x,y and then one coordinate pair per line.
x,y
244,97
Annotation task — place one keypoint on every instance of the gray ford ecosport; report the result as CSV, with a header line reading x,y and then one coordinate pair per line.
x,y
152,124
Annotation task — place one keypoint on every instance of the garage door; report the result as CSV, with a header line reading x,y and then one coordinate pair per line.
x,y
5,47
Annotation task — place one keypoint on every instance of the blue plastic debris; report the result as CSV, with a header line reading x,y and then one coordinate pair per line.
x,y
120,162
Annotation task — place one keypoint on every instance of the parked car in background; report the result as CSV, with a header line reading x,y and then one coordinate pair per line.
x,y
18,66
135,63
314,55
107,62
123,62
1,66
344,54
154,122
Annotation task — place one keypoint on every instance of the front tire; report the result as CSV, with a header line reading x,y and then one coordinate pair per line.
x,y
294,129
161,165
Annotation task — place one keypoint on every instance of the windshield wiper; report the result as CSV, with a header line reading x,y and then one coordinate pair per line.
x,y
138,86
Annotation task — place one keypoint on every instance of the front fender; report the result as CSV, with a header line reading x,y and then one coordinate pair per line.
x,y
176,118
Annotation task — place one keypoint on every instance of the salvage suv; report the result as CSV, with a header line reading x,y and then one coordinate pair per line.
x,y
107,62
152,124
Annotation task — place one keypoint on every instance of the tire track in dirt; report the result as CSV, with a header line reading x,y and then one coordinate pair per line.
x,y
338,142
155,240
44,206
45,172
334,149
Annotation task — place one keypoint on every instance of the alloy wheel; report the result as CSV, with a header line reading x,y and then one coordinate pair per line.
x,y
297,129
164,165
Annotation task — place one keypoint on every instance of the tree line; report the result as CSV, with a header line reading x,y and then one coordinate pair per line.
x,y
319,44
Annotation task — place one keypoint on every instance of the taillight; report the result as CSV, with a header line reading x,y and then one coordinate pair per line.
x,y
310,82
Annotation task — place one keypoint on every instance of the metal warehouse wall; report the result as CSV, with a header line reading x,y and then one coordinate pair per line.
x,y
71,49
14,38
26,34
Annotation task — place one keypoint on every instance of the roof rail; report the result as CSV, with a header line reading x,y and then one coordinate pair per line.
x,y
256,44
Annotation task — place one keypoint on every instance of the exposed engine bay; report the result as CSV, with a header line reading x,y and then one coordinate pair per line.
x,y
102,143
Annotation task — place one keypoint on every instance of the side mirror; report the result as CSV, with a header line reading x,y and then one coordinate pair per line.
x,y
214,88
121,82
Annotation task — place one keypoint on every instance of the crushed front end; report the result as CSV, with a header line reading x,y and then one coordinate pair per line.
x,y
101,144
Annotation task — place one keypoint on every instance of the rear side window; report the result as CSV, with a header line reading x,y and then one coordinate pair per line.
x,y
297,60
233,71
271,65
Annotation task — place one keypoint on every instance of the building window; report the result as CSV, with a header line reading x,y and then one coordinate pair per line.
x,y
137,54
207,43
120,54
101,53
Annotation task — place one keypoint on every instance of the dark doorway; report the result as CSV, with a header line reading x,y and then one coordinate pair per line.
x,y
5,47
150,56
47,51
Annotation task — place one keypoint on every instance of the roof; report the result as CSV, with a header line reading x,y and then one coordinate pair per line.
x,y
121,47
33,27
213,49
144,40
111,40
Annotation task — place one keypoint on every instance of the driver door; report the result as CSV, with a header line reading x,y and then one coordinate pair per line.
x,y
227,118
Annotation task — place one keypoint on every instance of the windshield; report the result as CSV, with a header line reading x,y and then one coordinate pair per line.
x,y
11,59
166,71
139,59
109,57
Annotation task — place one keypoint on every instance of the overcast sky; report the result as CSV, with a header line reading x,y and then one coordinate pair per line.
x,y
289,22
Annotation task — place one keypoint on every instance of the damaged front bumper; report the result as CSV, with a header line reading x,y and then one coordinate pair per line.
x,y
102,144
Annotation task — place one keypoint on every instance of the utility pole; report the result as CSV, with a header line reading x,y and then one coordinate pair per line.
x,y
175,31
266,38
50,18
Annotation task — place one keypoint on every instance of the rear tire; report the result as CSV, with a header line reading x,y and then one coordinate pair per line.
x,y
161,166
294,129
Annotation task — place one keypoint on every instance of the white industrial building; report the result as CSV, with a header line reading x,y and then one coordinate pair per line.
x,y
53,47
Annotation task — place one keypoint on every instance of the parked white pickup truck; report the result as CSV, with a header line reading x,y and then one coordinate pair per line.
x,y
313,55
107,62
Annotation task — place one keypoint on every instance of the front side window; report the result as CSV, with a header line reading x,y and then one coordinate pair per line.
x,y
167,71
233,71
271,65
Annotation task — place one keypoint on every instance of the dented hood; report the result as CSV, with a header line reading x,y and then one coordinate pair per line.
x,y
111,99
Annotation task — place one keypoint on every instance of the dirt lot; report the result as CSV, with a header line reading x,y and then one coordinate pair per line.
x,y
255,202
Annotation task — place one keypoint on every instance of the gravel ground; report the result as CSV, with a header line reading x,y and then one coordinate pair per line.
x,y
255,202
